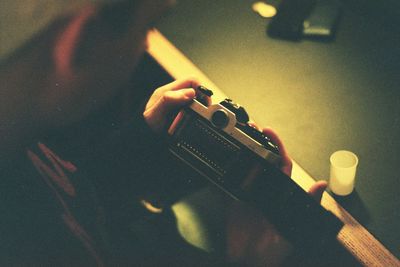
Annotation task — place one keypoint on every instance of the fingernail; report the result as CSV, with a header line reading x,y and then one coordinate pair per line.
x,y
189,93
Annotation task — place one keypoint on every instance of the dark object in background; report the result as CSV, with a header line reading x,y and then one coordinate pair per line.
x,y
298,19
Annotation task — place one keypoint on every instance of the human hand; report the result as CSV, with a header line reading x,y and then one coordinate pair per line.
x,y
166,101
251,239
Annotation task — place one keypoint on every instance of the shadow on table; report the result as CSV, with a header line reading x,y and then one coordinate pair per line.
x,y
354,203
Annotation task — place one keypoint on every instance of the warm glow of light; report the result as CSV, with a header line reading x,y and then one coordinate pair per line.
x,y
190,225
150,207
264,10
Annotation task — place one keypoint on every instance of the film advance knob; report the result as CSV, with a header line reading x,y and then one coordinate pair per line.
x,y
220,118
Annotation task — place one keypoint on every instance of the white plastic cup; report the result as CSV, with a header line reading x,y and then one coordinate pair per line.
x,y
343,172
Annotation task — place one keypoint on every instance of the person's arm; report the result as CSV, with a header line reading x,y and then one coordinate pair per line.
x,y
132,161
137,151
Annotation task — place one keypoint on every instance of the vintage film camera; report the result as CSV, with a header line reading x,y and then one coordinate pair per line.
x,y
218,142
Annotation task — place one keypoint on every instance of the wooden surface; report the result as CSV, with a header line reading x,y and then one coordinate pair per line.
x,y
353,236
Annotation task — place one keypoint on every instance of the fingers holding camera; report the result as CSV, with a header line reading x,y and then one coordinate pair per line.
x,y
317,190
167,100
159,114
173,86
286,164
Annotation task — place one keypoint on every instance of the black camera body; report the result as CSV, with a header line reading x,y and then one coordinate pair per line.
x,y
218,142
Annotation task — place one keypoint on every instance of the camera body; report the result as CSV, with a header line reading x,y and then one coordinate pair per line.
x,y
218,142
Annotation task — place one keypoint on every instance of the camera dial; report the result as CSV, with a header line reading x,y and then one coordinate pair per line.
x,y
241,115
220,118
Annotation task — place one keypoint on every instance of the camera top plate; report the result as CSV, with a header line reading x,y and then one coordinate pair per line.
x,y
224,119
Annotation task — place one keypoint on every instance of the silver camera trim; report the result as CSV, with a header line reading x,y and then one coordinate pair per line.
x,y
230,129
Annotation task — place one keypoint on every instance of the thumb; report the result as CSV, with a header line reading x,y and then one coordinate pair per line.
x,y
158,115
317,190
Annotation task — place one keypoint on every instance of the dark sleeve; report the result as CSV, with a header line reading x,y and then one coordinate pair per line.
x,y
129,159
133,161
